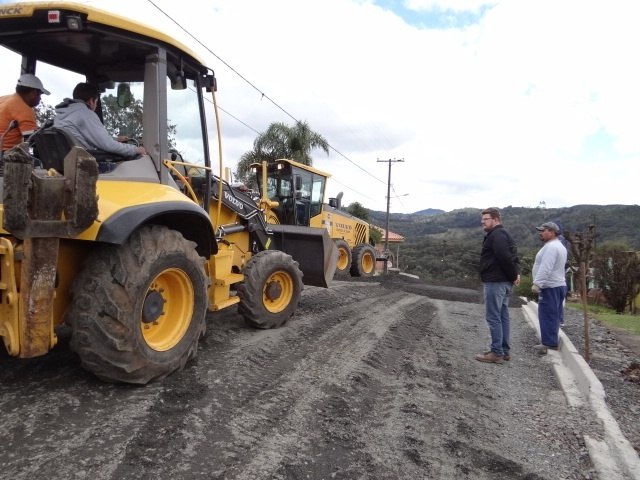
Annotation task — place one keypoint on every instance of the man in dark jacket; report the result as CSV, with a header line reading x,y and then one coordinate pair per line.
x,y
499,272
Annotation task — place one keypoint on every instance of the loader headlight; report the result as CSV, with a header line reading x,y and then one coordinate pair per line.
x,y
74,23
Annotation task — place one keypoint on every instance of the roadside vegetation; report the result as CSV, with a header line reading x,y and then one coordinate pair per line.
x,y
608,316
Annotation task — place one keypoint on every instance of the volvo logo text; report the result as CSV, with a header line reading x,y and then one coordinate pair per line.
x,y
230,198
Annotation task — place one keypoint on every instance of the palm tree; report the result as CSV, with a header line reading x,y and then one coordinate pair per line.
x,y
282,141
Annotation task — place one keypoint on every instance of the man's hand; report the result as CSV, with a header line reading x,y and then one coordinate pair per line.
x,y
535,288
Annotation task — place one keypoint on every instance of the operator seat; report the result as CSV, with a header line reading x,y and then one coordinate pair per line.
x,y
51,145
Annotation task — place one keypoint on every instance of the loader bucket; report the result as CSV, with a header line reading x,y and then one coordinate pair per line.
x,y
312,248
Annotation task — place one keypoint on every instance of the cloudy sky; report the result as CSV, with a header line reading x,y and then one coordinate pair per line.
x,y
523,102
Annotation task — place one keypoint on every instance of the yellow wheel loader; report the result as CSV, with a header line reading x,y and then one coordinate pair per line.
x,y
293,194
132,252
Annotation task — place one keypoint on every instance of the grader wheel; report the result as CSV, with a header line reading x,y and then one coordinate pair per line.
x,y
344,258
364,261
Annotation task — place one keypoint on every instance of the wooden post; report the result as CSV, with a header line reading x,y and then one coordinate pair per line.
x,y
583,295
581,245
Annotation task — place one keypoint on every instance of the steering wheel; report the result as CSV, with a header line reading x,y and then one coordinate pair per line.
x,y
133,141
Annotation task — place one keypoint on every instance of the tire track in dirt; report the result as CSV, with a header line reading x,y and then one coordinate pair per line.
x,y
232,357
368,380
268,389
364,422
52,411
334,423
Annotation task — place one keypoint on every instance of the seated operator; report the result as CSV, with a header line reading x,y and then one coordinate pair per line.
x,y
78,117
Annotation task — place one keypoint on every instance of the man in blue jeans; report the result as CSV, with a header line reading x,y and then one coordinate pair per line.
x,y
499,272
550,284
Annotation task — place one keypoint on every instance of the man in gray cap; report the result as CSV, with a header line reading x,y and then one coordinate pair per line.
x,y
19,107
550,285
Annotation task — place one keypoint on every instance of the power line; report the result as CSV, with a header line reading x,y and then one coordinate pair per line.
x,y
264,95
237,119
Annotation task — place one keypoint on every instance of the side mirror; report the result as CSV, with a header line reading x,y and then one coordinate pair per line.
x,y
124,95
210,83
178,81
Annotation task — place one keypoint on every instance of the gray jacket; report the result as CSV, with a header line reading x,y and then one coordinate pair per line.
x,y
85,126
548,267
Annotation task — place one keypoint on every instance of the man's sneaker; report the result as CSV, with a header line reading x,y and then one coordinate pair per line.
x,y
490,357
542,349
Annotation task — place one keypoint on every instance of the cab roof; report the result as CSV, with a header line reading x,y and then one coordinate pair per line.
x,y
86,40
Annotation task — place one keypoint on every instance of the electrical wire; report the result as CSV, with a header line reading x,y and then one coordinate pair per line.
x,y
263,95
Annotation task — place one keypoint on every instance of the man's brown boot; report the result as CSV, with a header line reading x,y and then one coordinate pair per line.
x,y
490,357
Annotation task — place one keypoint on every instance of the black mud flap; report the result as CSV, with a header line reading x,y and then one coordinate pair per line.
x,y
312,248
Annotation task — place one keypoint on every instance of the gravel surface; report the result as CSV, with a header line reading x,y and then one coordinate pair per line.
x,y
615,360
371,380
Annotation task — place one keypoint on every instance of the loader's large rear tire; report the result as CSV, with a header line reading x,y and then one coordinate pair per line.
x,y
138,310
271,289
344,259
364,261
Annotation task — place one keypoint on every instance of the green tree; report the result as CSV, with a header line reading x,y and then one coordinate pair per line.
x,y
128,120
282,141
357,210
617,273
122,120
375,236
44,113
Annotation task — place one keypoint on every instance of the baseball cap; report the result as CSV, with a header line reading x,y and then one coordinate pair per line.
x,y
31,81
549,226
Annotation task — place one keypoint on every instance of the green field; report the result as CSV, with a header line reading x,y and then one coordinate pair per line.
x,y
628,322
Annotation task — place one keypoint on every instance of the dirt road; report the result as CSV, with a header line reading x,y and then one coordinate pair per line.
x,y
369,381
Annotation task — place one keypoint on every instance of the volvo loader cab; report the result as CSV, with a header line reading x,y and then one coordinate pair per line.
x,y
131,253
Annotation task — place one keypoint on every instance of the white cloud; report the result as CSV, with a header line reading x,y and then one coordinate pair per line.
x,y
453,5
536,101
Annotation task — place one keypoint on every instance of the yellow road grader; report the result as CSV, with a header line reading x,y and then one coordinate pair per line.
x,y
131,253
294,194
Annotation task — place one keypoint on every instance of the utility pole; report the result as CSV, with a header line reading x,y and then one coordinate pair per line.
x,y
386,230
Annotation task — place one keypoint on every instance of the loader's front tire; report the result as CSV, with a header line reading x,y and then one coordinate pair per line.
x,y
364,261
271,289
344,258
138,310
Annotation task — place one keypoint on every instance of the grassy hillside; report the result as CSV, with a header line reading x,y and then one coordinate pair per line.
x,y
613,223
445,247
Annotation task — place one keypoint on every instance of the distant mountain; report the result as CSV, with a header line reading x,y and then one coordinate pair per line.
x,y
613,223
428,212
445,247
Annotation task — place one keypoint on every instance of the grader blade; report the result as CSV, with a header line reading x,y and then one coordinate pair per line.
x,y
312,248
